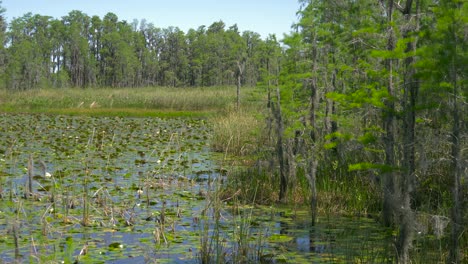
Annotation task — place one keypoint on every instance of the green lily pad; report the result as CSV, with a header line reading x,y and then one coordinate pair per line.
x,y
277,238
116,246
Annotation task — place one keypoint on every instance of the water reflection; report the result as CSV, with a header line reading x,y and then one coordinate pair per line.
x,y
333,239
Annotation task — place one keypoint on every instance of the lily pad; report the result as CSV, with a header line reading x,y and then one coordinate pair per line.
x,y
116,246
278,238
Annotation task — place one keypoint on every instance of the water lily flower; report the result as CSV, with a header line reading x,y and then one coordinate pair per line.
x,y
47,174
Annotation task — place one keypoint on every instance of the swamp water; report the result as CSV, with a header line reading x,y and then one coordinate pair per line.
x,y
144,190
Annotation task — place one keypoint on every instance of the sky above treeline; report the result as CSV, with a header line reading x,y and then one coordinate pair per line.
x,y
261,16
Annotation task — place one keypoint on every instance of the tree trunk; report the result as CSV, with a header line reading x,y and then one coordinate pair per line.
x,y
280,147
457,173
457,221
410,90
313,162
389,127
269,103
312,177
238,92
239,73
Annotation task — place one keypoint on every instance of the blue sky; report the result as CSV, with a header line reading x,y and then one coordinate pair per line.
x,y
261,16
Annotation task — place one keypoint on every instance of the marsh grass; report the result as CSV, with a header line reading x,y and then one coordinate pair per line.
x,y
234,241
122,101
251,185
351,196
236,133
260,182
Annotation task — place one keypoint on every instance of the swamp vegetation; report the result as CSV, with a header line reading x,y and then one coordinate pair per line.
x,y
345,144
99,189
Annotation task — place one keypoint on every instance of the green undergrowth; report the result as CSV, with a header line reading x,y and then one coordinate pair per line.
x,y
260,183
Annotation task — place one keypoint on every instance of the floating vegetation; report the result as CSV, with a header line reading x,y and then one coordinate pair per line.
x,y
101,182
78,189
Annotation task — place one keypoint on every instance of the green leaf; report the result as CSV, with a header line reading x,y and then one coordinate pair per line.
x,y
369,166
367,138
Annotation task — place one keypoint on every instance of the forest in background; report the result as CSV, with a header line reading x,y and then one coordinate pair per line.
x,y
369,94
79,50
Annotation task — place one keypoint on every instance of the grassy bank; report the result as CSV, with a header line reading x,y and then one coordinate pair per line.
x,y
152,101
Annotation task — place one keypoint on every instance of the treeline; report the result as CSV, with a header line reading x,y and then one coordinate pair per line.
x,y
375,93
82,51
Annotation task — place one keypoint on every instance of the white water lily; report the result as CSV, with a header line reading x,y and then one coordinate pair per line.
x,y
47,175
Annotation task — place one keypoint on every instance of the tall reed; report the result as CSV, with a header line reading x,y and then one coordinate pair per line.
x,y
153,98
236,133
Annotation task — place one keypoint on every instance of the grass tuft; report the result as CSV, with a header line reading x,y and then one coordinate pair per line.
x,y
236,133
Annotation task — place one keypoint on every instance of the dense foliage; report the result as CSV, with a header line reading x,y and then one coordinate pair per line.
x,y
377,89
82,51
